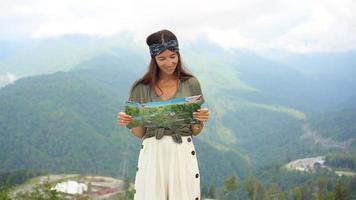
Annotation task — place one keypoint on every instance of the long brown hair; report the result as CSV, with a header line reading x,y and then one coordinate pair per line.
x,y
152,75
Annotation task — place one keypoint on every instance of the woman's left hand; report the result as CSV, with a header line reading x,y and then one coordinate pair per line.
x,y
201,114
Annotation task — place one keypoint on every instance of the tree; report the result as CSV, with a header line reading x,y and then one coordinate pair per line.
x,y
323,193
126,184
211,192
340,192
204,191
4,192
254,189
296,193
230,186
41,192
274,193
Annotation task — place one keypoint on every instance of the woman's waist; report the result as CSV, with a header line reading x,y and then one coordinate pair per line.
x,y
176,132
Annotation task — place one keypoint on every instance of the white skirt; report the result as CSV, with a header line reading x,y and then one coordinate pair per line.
x,y
167,170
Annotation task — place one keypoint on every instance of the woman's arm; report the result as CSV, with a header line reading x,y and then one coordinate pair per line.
x,y
138,131
123,120
202,115
197,128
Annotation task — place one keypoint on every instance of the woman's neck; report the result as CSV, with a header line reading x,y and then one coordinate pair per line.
x,y
165,77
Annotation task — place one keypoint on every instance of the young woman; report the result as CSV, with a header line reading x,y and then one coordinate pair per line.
x,y
167,164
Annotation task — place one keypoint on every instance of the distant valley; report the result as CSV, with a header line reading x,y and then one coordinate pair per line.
x,y
264,112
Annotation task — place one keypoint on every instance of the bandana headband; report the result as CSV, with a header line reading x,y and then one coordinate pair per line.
x,y
156,49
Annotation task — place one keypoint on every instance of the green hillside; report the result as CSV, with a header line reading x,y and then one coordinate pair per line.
x,y
339,125
66,122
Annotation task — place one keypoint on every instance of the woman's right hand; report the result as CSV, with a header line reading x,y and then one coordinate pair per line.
x,y
123,119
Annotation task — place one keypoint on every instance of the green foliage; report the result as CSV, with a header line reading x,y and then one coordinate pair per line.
x,y
229,190
208,192
65,122
339,125
230,184
340,192
16,177
128,195
41,192
281,184
296,193
4,190
216,165
268,137
274,193
341,160
254,188
68,125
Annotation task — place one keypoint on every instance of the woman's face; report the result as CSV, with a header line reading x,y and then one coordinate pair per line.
x,y
167,61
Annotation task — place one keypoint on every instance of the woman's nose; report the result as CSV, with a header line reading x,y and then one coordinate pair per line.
x,y
170,62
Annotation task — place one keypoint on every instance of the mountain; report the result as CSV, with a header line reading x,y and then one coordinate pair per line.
x,y
24,57
339,124
287,83
66,122
261,105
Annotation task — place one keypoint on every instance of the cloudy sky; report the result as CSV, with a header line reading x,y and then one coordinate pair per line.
x,y
293,25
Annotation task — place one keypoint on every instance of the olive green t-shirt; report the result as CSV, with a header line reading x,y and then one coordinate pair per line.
x,y
143,93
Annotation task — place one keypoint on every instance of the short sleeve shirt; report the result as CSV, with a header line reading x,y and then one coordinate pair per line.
x,y
143,93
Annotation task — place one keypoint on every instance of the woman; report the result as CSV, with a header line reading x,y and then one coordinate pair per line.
x,y
167,164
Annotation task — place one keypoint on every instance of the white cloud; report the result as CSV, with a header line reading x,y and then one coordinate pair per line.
x,y
8,78
11,77
322,31
302,26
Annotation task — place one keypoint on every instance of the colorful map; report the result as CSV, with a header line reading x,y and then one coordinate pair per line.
x,y
163,113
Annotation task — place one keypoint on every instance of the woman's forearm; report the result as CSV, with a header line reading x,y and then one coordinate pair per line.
x,y
138,131
197,128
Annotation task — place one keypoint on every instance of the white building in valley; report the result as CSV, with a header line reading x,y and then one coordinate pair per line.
x,y
307,164
71,187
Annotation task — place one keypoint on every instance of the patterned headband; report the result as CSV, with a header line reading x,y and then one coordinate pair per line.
x,y
156,49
